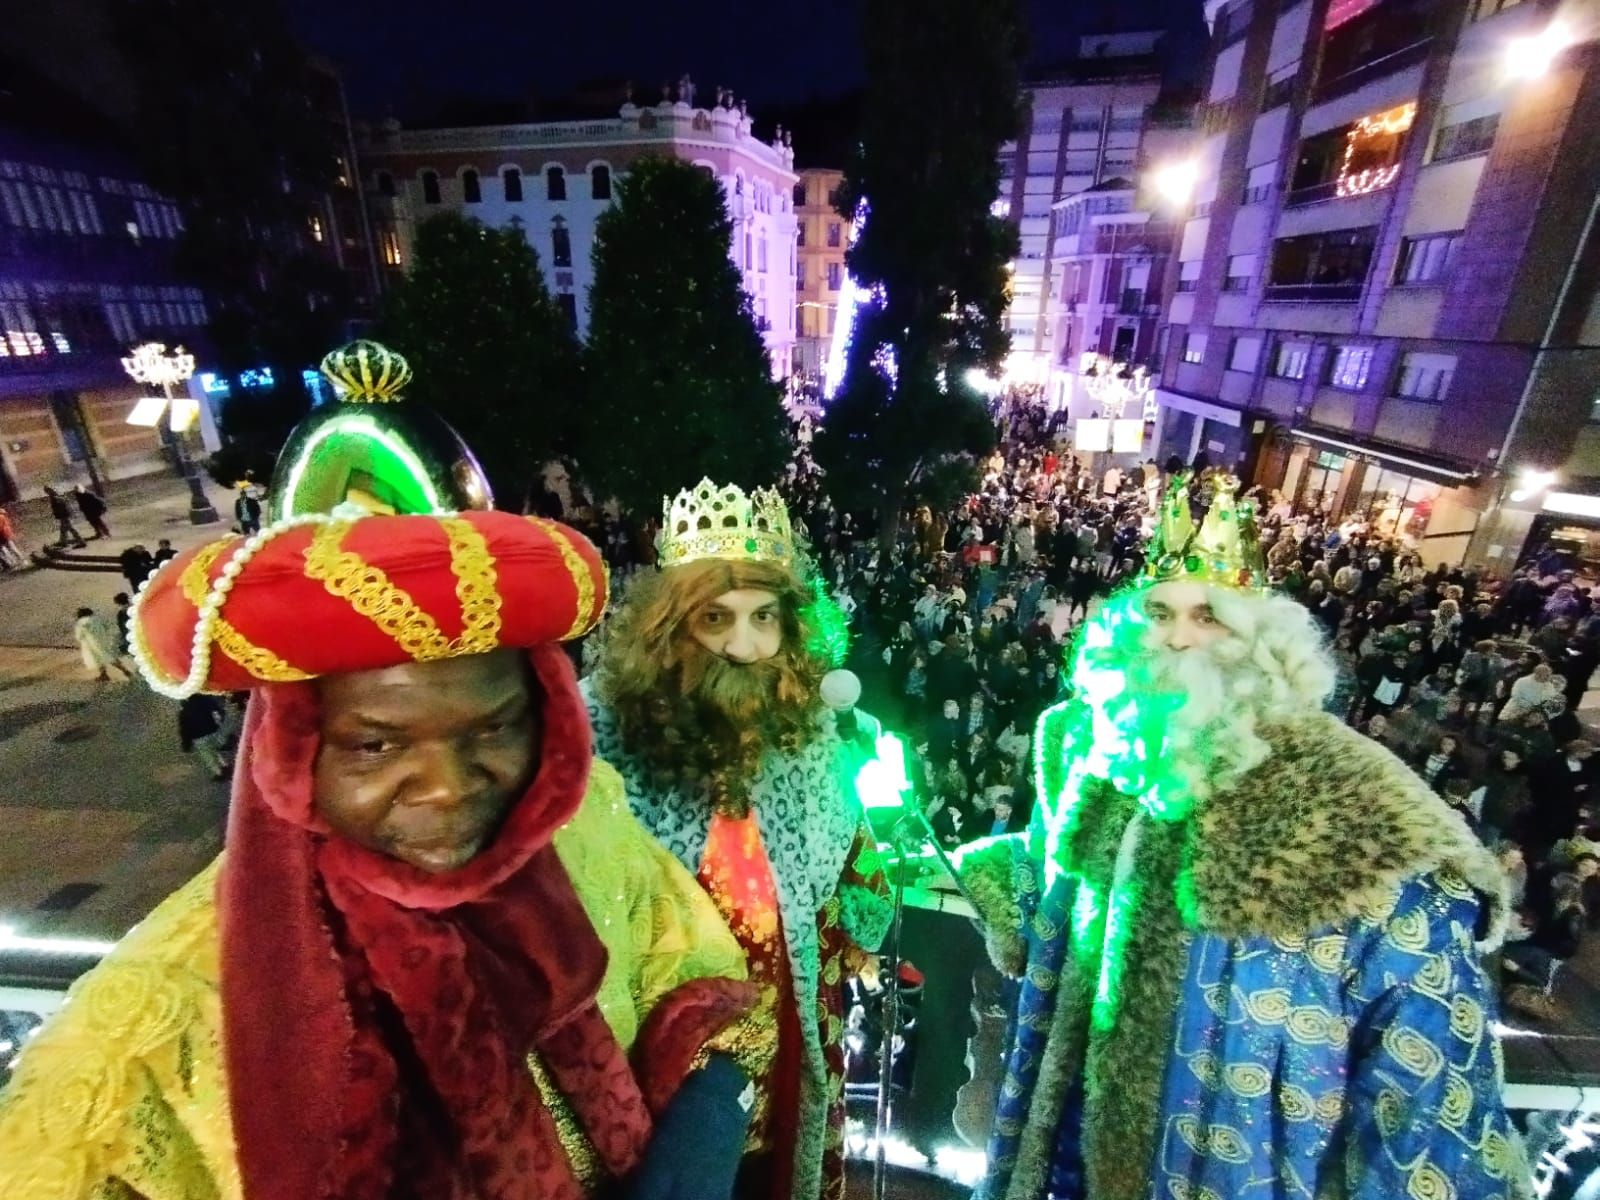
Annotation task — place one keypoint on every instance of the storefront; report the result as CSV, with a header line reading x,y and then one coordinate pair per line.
x,y
1428,505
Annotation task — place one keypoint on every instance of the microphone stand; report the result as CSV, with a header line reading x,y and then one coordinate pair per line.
x,y
913,825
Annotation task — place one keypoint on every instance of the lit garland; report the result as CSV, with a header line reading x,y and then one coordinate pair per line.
x,y
1385,124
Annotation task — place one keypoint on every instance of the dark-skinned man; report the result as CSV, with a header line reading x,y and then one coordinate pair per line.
x,y
439,958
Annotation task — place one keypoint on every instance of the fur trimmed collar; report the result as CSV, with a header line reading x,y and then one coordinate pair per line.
x,y
1328,827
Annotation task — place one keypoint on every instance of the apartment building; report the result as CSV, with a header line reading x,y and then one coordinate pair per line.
x,y
1384,298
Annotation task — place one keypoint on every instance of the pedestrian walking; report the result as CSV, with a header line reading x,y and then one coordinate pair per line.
x,y
201,721
63,516
93,507
97,640
137,564
11,555
247,511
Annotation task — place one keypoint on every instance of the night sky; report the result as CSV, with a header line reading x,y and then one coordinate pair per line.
x,y
408,58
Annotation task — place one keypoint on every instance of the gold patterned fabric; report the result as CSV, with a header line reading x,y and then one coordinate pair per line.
x,y
123,1093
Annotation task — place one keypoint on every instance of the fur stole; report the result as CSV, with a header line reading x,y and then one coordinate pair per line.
x,y
1328,827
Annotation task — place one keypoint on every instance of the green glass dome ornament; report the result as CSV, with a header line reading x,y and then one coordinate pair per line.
x,y
371,449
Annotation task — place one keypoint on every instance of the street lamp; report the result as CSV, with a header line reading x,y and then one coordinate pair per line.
x,y
150,363
1531,57
1175,182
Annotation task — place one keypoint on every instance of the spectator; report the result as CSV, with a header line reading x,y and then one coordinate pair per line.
x,y
93,507
201,726
99,645
63,518
164,552
11,555
1538,691
1443,764
137,564
247,511
124,614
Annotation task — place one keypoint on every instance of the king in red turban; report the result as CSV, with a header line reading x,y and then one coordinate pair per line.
x,y
439,958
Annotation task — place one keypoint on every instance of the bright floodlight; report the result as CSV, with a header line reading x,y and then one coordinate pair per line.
x,y
1531,57
1175,182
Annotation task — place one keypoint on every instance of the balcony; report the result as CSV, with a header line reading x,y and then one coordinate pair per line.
x,y
1324,293
1377,68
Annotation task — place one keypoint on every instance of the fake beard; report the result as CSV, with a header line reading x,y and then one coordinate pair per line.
x,y
740,694
1187,719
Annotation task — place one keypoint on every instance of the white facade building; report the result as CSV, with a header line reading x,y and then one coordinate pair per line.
x,y
553,179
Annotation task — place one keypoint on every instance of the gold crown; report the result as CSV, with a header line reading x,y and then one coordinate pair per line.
x,y
708,521
1225,548
366,373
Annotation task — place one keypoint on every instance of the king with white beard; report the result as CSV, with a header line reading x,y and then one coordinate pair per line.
x,y
1248,938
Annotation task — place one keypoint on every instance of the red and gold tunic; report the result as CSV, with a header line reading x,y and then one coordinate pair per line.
x,y
737,874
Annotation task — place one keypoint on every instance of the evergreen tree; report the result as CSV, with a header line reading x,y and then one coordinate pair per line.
x,y
489,350
942,96
679,382
227,127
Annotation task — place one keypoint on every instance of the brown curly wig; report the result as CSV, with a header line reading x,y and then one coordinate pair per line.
x,y
695,719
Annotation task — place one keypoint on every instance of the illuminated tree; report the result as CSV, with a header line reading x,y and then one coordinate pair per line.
x,y
942,96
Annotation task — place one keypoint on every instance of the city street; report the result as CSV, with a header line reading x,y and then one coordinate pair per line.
x,y
103,814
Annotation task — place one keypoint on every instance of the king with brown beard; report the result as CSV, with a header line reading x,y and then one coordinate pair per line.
x,y
706,700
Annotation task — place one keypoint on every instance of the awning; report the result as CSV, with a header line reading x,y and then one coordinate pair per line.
x,y
1436,471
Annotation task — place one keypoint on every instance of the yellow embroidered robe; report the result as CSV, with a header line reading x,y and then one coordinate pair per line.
x,y
123,1092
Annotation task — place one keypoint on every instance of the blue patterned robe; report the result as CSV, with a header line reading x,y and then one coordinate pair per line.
x,y
1318,1027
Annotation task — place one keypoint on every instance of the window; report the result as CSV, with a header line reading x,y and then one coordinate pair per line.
x,y
1189,275
835,273
1349,367
1353,160
1425,376
1321,266
511,181
1244,353
600,183
834,233
1258,186
1464,138
1279,88
1194,348
471,189
1367,34
799,233
430,187
555,184
799,193
761,256
385,183
1241,273
567,304
1290,360
390,241
834,195
316,227
560,246
1426,259
800,275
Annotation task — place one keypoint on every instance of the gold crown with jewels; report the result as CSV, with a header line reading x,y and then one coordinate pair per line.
x,y
366,373
707,521
1224,548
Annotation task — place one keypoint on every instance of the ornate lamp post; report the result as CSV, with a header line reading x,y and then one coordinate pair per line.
x,y
151,364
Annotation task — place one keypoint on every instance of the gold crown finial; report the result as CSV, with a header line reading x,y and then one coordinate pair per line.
x,y
366,373
1225,548
708,521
